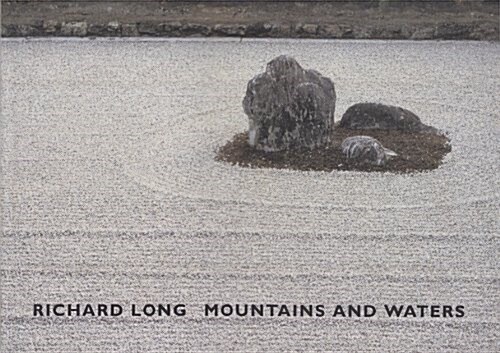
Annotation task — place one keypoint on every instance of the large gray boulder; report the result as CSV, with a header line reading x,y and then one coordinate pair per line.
x,y
289,107
366,150
383,117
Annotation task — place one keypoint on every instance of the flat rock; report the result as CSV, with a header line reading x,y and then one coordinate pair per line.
x,y
130,30
50,26
78,29
289,107
383,117
114,28
366,150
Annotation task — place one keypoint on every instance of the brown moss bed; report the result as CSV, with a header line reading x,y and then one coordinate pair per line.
x,y
416,152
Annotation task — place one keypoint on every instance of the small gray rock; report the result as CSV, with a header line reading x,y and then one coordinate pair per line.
x,y
366,150
383,117
306,29
78,29
329,31
148,28
423,33
114,28
97,30
194,29
289,107
171,29
50,26
24,30
130,30
233,30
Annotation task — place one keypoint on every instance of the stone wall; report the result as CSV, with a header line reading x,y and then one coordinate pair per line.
x,y
381,19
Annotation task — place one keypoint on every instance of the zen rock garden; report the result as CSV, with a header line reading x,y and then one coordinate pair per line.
x,y
291,125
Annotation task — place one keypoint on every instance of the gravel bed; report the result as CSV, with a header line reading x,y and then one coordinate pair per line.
x,y
112,194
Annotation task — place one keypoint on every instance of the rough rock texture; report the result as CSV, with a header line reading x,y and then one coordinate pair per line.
x,y
78,29
366,150
289,107
384,117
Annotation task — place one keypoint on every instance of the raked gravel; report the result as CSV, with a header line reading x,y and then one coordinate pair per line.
x,y
112,194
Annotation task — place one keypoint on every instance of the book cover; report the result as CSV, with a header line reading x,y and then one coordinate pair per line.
x,y
202,194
